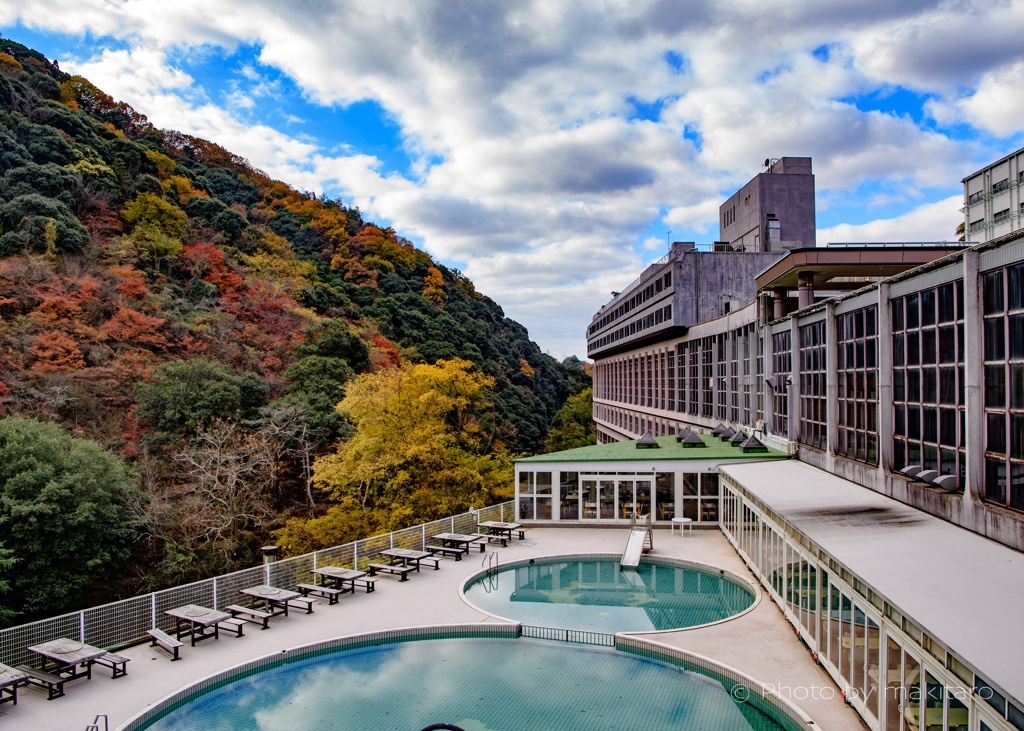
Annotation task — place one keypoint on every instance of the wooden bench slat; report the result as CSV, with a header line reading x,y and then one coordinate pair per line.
x,y
255,616
402,571
117,663
165,641
39,678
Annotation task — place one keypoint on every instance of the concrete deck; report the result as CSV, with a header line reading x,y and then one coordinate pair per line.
x,y
761,643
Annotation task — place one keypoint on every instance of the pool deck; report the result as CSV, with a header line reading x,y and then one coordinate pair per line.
x,y
761,643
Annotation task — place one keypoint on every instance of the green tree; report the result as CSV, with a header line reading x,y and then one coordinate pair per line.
x,y
573,425
67,510
7,562
335,339
186,395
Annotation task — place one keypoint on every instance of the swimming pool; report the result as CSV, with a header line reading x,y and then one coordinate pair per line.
x,y
590,593
478,684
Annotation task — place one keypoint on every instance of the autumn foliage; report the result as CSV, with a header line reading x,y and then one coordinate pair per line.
x,y
166,299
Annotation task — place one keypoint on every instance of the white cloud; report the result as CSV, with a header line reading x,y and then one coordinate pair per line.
x,y
528,168
930,222
997,104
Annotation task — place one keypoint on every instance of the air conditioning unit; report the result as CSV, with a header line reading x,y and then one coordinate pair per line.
x,y
759,425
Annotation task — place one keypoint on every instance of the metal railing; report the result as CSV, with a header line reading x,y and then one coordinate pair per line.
x,y
125,622
583,637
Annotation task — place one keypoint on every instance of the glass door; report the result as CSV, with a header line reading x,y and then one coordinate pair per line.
x,y
642,497
588,499
607,499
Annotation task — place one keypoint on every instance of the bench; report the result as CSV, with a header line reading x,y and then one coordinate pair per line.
x,y
304,603
165,641
402,571
448,551
235,626
256,616
53,683
430,561
492,537
117,663
365,582
332,595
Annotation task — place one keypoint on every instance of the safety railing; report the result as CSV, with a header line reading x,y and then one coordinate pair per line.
x,y
583,637
125,622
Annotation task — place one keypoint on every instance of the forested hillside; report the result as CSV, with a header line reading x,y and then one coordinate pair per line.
x,y
196,322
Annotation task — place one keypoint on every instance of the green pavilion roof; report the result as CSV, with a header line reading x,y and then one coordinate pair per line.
x,y
668,449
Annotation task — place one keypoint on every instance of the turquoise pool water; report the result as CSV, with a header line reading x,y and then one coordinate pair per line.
x,y
477,684
594,595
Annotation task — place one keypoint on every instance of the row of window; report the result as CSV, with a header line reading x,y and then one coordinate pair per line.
x,y
657,317
710,377
660,284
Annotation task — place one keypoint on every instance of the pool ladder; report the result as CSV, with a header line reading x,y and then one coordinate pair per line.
x,y
490,564
95,725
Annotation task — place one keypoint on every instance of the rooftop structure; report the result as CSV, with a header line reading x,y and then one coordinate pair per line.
x,y
993,205
774,211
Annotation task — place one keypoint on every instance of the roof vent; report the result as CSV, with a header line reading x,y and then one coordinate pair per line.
x,y
683,434
752,445
718,430
738,440
646,442
692,440
946,482
728,434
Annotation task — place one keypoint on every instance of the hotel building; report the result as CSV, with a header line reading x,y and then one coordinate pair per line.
x,y
892,375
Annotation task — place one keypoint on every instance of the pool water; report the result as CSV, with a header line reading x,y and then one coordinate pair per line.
x,y
594,595
477,684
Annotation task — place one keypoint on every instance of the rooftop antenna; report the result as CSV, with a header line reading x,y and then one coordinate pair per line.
x,y
667,235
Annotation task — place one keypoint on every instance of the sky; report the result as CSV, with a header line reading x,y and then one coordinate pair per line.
x,y
550,149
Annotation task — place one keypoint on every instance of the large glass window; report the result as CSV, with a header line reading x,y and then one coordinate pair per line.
x,y
857,384
700,497
1003,334
812,385
782,366
928,373
707,376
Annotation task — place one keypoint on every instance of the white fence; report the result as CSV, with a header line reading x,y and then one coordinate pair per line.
x,y
125,622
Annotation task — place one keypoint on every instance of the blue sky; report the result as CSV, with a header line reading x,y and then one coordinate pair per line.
x,y
545,148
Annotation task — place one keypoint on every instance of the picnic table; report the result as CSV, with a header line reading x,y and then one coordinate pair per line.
x,y
458,541
409,557
10,679
275,599
496,528
341,579
197,622
67,659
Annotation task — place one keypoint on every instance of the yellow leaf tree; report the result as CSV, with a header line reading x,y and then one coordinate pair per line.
x,y
420,452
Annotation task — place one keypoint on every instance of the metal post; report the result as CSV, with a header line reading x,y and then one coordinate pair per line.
x,y
152,609
81,626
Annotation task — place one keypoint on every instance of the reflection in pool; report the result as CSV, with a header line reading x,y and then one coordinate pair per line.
x,y
594,595
477,684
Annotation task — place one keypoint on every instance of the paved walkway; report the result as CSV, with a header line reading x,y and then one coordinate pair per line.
x,y
761,643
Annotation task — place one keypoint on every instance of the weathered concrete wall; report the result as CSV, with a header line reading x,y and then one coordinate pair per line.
x,y
785,191
706,280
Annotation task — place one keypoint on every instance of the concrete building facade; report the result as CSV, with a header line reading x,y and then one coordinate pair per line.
x,y
774,211
893,375
993,206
